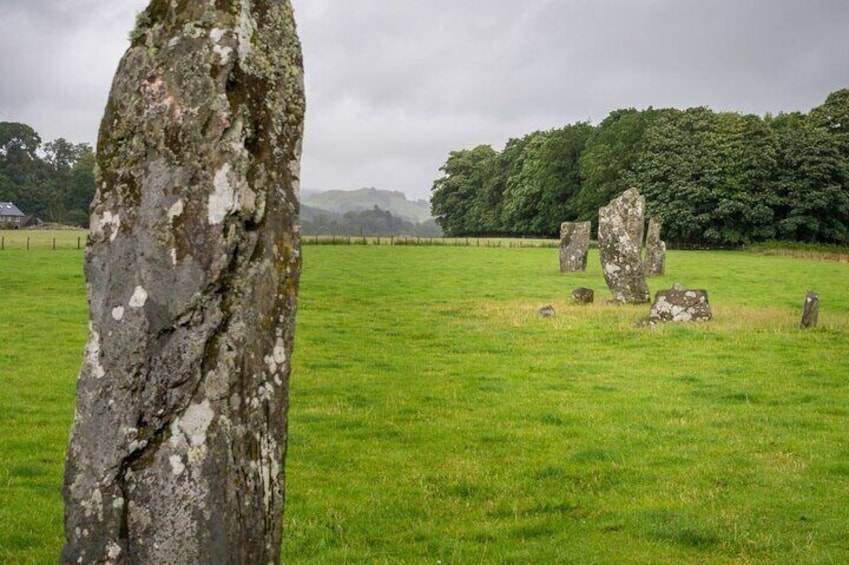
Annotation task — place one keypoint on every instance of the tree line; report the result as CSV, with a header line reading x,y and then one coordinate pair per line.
x,y
716,178
53,182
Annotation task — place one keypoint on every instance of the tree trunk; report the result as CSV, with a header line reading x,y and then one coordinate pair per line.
x,y
177,448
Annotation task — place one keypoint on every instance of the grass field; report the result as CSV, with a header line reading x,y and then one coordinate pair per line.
x,y
436,419
42,240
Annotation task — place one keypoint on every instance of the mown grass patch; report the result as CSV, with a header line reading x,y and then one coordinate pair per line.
x,y
42,332
436,417
571,439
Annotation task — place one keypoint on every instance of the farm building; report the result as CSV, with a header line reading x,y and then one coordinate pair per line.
x,y
11,216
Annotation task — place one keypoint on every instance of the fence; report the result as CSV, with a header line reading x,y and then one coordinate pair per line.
x,y
35,240
56,240
429,241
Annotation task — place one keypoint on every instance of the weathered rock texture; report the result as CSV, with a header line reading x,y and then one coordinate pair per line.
x,y
620,242
583,295
810,310
574,244
546,311
177,447
679,305
655,249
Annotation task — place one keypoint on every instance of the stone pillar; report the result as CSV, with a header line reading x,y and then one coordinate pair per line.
x,y
679,305
177,448
620,241
655,249
574,244
810,311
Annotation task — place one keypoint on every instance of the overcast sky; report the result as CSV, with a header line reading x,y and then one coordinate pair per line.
x,y
394,85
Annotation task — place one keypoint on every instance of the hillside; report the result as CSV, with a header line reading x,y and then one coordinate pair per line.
x,y
371,222
341,201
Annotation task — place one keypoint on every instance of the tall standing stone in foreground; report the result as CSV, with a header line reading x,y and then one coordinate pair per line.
x,y
177,448
574,244
620,242
655,249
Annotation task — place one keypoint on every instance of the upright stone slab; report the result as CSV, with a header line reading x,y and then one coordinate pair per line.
x,y
177,448
810,311
574,244
655,249
680,305
620,241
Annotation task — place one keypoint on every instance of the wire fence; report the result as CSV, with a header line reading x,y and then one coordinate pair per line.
x,y
35,240
430,241
56,240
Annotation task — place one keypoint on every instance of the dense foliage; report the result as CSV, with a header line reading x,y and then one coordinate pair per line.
x,y
53,182
717,178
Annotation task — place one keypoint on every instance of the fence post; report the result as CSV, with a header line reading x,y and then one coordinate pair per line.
x,y
3,243
27,244
78,242
54,244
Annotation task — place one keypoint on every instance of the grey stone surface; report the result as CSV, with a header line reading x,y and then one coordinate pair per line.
x,y
679,305
177,447
810,310
620,241
574,245
655,261
583,295
546,311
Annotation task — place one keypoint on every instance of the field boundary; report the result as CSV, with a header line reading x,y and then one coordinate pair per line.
x,y
429,241
42,240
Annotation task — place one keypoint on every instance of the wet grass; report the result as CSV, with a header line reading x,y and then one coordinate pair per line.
x,y
436,418
457,426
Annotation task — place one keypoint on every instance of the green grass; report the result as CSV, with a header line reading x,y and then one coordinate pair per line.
x,y
43,316
41,240
435,418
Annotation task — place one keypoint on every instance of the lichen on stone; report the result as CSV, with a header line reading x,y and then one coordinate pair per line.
x,y
192,270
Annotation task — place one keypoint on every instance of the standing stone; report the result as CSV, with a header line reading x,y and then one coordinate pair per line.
x,y
679,305
620,241
655,249
810,311
574,244
177,448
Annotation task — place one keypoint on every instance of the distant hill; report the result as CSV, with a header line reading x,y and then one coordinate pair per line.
x,y
341,201
372,222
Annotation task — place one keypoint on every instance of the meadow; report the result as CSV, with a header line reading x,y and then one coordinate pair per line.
x,y
436,418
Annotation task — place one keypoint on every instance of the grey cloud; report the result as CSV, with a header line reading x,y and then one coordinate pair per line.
x,y
59,64
503,70
394,85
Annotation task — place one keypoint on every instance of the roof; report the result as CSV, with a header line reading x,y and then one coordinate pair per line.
x,y
9,209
